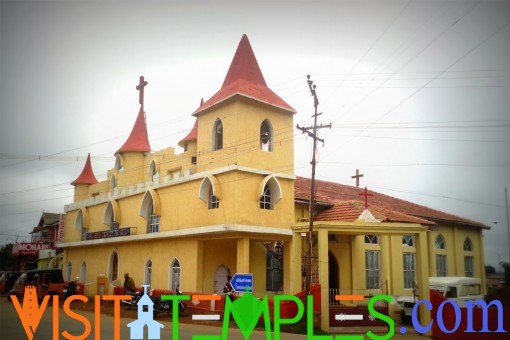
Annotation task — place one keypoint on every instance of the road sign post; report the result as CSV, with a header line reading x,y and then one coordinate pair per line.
x,y
242,283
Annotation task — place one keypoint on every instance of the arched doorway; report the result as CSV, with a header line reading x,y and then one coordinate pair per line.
x,y
220,278
334,279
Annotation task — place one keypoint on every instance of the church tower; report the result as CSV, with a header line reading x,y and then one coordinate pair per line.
x,y
82,183
245,123
130,158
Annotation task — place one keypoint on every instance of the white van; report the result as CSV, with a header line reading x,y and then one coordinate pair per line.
x,y
457,288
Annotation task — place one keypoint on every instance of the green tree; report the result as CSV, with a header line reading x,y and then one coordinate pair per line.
x,y
489,269
7,261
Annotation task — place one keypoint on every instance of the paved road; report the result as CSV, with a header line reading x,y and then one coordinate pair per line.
x,y
12,328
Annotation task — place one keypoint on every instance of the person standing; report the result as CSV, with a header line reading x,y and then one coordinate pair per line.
x,y
129,284
228,289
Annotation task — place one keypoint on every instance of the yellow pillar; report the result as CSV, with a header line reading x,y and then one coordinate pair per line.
x,y
422,275
432,253
459,269
324,277
199,267
481,269
386,264
295,279
243,255
358,262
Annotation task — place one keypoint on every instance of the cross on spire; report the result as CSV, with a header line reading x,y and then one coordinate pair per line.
x,y
140,87
357,176
366,194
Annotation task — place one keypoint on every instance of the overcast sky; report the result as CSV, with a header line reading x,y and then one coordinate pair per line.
x,y
418,93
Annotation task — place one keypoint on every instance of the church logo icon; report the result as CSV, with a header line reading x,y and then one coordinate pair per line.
x,y
145,318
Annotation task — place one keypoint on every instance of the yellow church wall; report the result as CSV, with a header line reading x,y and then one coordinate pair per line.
x,y
161,252
241,121
71,233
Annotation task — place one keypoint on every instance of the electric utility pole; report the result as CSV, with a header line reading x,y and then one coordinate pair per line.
x,y
312,132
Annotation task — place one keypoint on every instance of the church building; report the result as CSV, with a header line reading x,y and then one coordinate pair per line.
x,y
229,202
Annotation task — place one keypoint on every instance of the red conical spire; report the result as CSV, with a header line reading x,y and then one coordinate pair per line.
x,y
192,135
138,140
245,78
87,175
244,65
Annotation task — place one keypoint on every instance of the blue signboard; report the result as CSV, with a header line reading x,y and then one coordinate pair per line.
x,y
240,282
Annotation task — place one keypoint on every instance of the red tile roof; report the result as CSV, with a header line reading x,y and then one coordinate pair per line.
x,y
87,175
350,211
138,140
245,78
393,209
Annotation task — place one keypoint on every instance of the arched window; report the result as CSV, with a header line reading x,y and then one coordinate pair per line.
x,y
217,135
266,136
408,241
441,261
69,271
150,211
152,220
209,192
266,200
371,239
175,274
469,270
111,215
148,272
118,163
213,203
114,267
113,182
80,223
468,245
440,242
83,272
153,170
270,192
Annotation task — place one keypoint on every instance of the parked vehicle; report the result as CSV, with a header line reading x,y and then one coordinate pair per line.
x,y
69,289
159,306
46,281
165,306
456,288
135,297
7,280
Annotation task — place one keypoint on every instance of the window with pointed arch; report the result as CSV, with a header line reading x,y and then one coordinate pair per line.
x,y
110,217
408,241
468,245
213,201
266,200
83,272
217,135
118,164
147,273
113,182
441,260
152,219
114,267
371,239
468,258
153,171
69,271
80,224
266,136
175,275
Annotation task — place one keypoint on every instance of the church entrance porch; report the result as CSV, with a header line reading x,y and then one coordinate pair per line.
x,y
369,257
